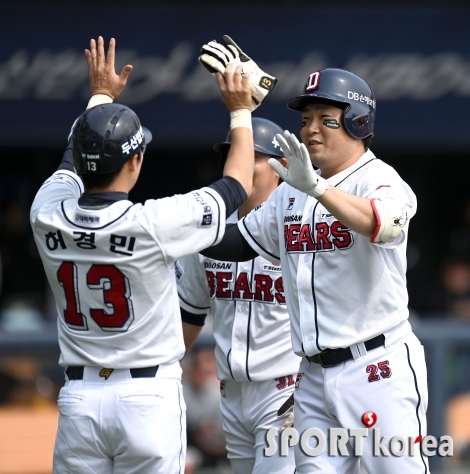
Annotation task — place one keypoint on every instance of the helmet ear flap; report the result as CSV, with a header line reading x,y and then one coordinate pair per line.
x,y
361,121
359,126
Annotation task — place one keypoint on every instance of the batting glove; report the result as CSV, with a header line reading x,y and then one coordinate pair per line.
x,y
215,57
287,407
300,173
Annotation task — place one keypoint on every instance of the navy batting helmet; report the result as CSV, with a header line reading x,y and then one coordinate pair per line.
x,y
264,132
105,137
345,90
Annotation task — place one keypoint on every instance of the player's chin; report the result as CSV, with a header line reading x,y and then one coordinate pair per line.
x,y
316,154
318,159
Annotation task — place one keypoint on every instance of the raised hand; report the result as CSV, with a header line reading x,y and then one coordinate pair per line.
x,y
234,87
101,72
216,56
299,173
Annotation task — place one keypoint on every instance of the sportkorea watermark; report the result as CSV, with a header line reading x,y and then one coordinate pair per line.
x,y
338,438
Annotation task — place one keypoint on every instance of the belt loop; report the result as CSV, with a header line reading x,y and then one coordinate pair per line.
x,y
358,350
331,357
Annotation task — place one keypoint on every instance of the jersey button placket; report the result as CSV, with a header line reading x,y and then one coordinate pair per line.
x,y
238,357
307,316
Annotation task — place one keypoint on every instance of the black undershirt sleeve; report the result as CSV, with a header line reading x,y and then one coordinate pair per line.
x,y
231,191
191,318
232,248
67,159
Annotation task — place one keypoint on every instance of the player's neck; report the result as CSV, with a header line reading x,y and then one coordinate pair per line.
x,y
123,183
335,168
108,189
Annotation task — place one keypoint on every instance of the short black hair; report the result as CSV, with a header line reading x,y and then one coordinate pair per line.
x,y
367,141
99,181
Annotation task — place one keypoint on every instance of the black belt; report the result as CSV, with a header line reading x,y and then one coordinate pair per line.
x,y
76,372
331,357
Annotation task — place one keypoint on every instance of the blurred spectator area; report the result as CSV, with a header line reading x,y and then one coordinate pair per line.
x,y
23,281
27,439
28,414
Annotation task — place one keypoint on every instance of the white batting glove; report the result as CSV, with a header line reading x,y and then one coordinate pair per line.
x,y
300,173
287,407
289,423
216,56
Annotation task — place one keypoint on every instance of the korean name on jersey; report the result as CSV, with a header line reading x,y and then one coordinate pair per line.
x,y
123,311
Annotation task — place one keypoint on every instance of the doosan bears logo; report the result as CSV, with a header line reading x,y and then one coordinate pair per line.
x,y
293,218
324,237
226,285
218,265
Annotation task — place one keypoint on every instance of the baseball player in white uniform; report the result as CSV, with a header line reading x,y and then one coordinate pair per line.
x,y
110,264
340,234
256,366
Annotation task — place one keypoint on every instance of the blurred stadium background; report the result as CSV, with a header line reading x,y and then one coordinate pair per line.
x,y
416,56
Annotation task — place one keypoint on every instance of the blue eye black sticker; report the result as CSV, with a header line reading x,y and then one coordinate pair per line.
x,y
331,123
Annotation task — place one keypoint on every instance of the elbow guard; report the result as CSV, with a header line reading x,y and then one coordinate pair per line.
x,y
391,218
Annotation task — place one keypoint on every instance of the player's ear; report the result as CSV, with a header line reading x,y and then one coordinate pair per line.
x,y
133,163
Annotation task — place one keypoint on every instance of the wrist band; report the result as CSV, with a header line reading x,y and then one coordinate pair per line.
x,y
320,187
240,118
99,99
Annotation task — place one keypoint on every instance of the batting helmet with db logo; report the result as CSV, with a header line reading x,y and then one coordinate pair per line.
x,y
345,90
105,137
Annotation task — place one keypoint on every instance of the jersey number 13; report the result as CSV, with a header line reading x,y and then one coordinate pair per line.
x,y
116,297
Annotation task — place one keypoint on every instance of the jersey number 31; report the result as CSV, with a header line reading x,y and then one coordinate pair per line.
x,y
116,296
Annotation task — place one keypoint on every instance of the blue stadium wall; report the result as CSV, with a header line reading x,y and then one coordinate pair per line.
x,y
417,61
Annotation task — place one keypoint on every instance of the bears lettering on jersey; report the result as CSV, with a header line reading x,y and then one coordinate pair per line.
x,y
262,288
326,236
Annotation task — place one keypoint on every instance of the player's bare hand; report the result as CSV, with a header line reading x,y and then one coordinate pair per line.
x,y
101,72
234,87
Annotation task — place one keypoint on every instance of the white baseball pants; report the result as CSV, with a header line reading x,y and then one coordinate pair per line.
x,y
249,410
121,425
389,381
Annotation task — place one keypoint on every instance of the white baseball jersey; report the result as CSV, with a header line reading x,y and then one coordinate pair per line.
x,y
251,324
122,312
340,288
